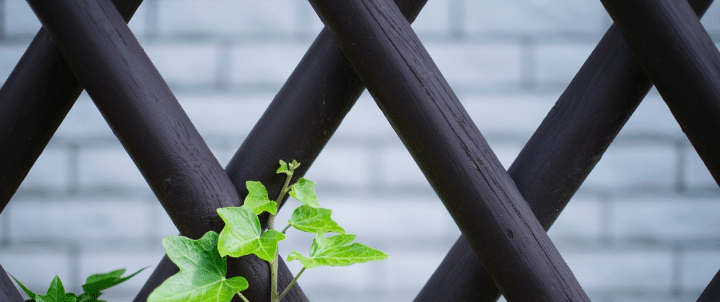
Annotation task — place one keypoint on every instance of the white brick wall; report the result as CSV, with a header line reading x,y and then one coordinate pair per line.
x,y
642,228
20,19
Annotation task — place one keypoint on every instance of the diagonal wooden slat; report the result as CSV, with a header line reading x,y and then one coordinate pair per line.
x,y
143,113
297,124
479,194
49,97
559,156
676,52
712,291
8,291
34,100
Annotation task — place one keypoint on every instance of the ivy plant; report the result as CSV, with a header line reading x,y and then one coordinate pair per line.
x,y
203,262
92,288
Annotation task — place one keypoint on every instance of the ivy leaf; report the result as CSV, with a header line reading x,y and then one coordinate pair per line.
x,y
258,200
337,251
304,192
202,272
294,165
98,282
242,235
24,288
314,220
283,168
56,293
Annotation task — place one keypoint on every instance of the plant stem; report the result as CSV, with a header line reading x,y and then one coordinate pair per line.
x,y
243,297
271,226
286,228
283,191
274,279
294,280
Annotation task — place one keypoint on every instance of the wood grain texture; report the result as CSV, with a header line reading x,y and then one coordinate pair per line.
x,y
676,52
34,100
559,156
386,54
297,125
144,115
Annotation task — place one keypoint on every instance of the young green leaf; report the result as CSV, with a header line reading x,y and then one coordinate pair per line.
x,y
98,282
294,165
202,272
283,168
314,220
242,235
337,251
257,198
304,192
24,288
56,293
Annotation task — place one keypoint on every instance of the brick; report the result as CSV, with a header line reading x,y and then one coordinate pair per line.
x,y
20,20
485,64
621,270
224,115
139,22
226,17
412,271
533,16
400,169
698,268
159,224
50,171
697,174
109,168
186,64
10,54
664,218
652,117
647,297
434,19
341,166
580,220
64,220
503,115
84,121
365,120
506,152
266,63
36,266
224,152
558,63
395,218
711,19
351,278
635,166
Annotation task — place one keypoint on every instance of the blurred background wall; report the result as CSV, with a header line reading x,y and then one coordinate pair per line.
x,y
643,227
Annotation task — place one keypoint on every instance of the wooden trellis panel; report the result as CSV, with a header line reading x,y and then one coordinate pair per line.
x,y
501,229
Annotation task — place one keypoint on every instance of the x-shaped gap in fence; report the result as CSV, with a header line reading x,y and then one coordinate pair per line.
x,y
498,225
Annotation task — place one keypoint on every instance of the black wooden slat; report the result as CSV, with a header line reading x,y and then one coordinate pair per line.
x,y
675,51
8,291
712,291
141,110
559,155
33,102
143,113
297,125
479,194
